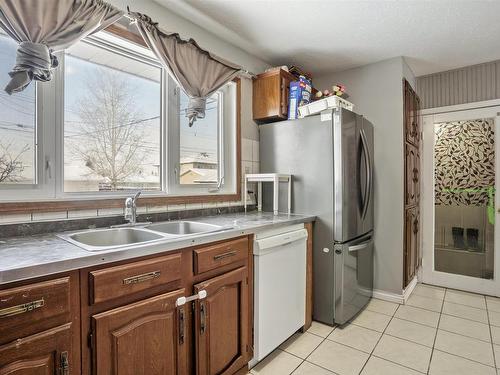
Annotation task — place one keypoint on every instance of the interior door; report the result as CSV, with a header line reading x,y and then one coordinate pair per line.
x,y
221,322
460,218
144,338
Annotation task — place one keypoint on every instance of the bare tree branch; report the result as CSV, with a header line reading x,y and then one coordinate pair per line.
x,y
11,166
111,131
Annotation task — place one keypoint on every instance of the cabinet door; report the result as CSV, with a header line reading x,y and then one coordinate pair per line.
x,y
411,244
411,115
411,175
285,80
407,111
416,175
266,97
417,120
46,353
143,338
221,324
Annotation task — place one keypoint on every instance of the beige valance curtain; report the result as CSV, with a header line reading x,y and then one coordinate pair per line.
x,y
42,27
198,72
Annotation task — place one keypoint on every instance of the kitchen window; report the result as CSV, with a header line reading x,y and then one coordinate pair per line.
x,y
112,121
18,133
202,157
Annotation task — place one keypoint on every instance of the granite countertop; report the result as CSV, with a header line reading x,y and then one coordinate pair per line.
x,y
27,257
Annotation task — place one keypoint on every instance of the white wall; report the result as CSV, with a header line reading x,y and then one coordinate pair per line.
x,y
377,93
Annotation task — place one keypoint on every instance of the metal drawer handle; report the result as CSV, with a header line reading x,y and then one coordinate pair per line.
x,y
225,255
181,326
203,317
22,308
141,278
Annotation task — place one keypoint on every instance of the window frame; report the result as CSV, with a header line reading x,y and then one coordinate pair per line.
x,y
119,50
50,195
225,164
43,154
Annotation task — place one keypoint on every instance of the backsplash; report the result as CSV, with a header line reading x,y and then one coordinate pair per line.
x,y
56,226
249,164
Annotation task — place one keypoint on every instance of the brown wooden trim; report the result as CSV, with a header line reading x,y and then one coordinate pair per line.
x,y
95,203
122,32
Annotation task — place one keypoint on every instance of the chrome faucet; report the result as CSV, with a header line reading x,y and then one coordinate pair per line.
x,y
131,208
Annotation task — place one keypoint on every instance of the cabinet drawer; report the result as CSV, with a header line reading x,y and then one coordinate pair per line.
x,y
123,280
33,308
209,258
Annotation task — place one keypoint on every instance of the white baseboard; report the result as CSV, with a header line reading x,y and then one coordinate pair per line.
x,y
394,297
409,289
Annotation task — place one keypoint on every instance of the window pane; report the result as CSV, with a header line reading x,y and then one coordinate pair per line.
x,y
199,157
17,124
112,117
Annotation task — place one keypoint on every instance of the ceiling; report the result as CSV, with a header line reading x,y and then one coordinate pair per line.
x,y
324,36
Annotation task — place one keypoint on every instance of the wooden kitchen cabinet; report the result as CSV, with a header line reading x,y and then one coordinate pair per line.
x,y
143,338
412,175
412,241
45,353
39,326
125,317
223,345
270,96
412,118
412,254
139,329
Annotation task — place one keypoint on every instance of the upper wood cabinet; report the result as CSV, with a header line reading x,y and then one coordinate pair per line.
x,y
222,324
143,338
270,96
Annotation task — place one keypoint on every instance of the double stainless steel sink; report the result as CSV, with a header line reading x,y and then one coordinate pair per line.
x,y
113,238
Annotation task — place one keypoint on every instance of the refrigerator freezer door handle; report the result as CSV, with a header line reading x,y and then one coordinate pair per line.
x,y
361,246
368,169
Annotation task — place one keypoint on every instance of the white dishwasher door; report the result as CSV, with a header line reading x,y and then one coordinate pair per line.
x,y
279,289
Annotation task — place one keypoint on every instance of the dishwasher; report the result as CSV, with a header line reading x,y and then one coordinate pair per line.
x,y
279,287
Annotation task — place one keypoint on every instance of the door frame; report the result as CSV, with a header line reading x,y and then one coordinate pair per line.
x,y
485,109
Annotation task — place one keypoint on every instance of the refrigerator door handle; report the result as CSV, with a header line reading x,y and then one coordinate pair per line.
x,y
361,246
368,169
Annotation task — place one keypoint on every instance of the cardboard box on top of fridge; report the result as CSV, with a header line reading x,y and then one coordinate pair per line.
x,y
320,105
300,94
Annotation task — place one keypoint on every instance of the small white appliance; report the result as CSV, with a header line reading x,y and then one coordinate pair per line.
x,y
279,287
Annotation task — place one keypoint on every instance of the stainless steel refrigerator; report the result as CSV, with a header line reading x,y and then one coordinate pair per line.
x,y
331,160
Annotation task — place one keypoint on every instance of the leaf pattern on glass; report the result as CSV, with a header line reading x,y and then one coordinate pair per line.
x,y
464,161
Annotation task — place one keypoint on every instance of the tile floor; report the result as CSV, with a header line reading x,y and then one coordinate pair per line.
x,y
439,331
